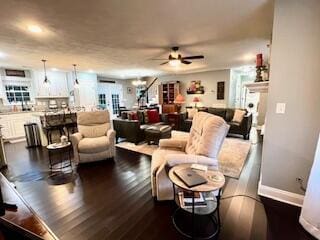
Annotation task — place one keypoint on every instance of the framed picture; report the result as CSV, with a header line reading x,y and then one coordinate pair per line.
x,y
220,90
129,90
195,88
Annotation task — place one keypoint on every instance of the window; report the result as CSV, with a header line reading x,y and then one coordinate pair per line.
x,y
115,103
102,100
17,93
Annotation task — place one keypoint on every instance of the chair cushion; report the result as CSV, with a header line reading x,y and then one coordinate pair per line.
x,y
94,145
94,131
93,118
206,135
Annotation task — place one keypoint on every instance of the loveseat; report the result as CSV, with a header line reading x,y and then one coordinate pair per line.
x,y
131,125
241,128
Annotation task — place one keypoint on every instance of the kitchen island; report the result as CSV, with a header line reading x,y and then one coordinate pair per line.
x,y
13,124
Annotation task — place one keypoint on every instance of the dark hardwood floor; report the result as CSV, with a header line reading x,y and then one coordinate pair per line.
x,y
112,200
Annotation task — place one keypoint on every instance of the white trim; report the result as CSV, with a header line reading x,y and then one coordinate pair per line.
x,y
310,227
281,195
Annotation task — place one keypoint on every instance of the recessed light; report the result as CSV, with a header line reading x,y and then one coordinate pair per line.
x,y
34,28
55,69
90,71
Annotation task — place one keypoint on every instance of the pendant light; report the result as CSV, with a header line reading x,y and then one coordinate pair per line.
x,y
45,81
76,82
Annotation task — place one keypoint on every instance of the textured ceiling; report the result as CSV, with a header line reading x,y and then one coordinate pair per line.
x,y
118,38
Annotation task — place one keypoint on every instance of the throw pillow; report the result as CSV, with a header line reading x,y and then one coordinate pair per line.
x,y
132,116
238,116
124,115
191,112
153,116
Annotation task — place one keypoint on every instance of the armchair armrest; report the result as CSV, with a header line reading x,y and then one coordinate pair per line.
x,y
111,134
75,139
175,159
173,143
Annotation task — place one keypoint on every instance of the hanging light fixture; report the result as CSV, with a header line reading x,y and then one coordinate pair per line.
x,y
139,82
45,81
76,82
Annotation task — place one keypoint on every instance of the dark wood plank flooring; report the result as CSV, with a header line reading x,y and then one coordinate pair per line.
x,y
112,200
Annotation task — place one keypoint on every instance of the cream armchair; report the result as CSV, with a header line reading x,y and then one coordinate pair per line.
x,y
95,139
201,146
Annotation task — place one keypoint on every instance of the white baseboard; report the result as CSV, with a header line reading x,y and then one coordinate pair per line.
x,y
281,195
17,140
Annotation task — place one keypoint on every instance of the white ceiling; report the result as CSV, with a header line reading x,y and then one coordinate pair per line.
x,y
118,38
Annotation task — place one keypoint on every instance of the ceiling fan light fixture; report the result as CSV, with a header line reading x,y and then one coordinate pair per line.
x,y
175,62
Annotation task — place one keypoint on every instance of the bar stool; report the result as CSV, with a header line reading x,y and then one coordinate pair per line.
x,y
53,123
70,123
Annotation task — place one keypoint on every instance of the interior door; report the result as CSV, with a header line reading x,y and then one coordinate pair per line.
x,y
113,97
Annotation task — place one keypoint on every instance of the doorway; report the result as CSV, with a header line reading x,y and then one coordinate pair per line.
x,y
110,95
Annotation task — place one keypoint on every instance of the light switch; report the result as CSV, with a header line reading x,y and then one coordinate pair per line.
x,y
281,108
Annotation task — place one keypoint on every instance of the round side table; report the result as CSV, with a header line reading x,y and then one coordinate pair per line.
x,y
64,152
215,181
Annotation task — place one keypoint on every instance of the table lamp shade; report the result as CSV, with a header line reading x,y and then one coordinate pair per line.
x,y
196,99
179,99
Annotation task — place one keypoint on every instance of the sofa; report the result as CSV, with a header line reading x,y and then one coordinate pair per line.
x,y
131,125
243,128
94,140
202,145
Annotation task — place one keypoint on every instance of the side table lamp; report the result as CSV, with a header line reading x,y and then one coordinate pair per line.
x,y
179,101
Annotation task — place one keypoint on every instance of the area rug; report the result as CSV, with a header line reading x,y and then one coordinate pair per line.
x,y
232,157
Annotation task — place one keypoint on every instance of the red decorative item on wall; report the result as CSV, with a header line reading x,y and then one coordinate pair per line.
x,y
259,61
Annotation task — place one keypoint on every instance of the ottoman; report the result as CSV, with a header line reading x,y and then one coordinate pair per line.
x,y
154,133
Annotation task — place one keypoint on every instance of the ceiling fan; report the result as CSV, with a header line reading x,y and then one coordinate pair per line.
x,y
176,59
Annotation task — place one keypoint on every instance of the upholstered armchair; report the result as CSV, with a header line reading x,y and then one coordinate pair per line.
x,y
94,140
202,145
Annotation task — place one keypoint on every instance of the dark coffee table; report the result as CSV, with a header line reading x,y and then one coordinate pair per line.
x,y
154,133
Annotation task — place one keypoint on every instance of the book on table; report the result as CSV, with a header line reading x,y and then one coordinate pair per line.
x,y
186,201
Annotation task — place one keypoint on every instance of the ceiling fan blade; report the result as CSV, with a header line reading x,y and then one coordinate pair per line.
x,y
185,62
164,63
194,57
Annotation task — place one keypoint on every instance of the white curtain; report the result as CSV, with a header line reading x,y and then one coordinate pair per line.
x,y
310,214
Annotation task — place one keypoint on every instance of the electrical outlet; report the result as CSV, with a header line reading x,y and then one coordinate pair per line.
x,y
281,108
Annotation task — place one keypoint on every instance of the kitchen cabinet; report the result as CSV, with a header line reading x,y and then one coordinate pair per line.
x,y
86,93
13,124
58,86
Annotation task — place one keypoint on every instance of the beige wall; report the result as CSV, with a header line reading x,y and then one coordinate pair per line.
x,y
208,80
290,138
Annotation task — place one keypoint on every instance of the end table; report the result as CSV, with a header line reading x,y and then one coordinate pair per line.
x,y
64,152
215,181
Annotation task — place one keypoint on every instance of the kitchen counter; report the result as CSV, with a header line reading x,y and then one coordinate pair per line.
x,y
11,113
